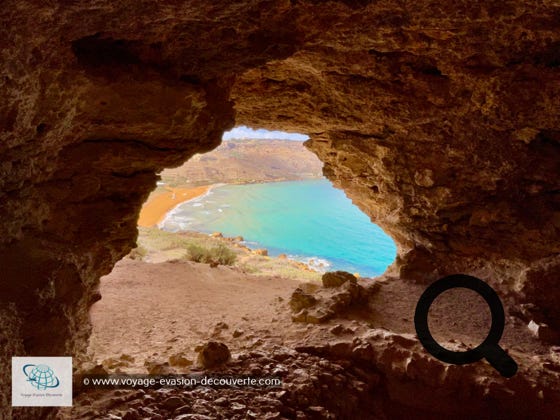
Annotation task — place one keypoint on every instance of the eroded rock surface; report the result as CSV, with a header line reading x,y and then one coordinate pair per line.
x,y
439,119
340,295
213,354
378,375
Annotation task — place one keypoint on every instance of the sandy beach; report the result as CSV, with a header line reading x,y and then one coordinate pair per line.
x,y
160,203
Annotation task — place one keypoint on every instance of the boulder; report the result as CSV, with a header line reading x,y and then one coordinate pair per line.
x,y
213,354
301,300
337,278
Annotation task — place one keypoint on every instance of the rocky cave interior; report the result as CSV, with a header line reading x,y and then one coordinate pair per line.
x,y
438,119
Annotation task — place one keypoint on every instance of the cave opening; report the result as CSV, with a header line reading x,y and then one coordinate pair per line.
x,y
224,240
440,123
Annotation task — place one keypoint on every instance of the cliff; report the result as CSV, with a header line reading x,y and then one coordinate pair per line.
x,y
242,161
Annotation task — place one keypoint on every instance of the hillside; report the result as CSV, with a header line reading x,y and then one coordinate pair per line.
x,y
242,161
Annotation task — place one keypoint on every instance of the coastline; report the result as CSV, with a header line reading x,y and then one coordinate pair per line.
x,y
161,204
164,209
156,208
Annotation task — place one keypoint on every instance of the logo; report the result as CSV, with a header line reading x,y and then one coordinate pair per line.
x,y
41,377
41,381
489,349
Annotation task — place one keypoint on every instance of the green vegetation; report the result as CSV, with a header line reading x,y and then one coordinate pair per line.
x,y
157,246
220,254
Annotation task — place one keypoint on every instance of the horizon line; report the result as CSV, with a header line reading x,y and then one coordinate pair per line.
x,y
244,132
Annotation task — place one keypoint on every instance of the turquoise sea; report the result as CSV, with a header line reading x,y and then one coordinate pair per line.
x,y
310,221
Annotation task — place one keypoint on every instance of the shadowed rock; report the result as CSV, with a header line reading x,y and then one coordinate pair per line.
x,y
333,301
300,300
213,354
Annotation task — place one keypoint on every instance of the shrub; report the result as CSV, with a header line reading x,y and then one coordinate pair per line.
x,y
223,255
197,253
220,254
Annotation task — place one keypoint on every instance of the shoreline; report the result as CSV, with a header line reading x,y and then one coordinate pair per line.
x,y
157,208
171,211
165,201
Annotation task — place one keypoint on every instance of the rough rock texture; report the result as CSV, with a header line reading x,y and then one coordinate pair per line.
x,y
332,300
213,354
378,375
337,278
439,119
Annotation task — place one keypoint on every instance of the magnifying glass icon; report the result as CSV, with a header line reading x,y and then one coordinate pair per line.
x,y
489,349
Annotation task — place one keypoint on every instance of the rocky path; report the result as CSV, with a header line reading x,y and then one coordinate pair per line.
x,y
344,351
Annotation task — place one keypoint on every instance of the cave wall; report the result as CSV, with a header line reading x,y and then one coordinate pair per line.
x,y
438,119
440,122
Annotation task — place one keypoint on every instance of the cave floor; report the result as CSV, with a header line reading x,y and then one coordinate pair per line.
x,y
150,313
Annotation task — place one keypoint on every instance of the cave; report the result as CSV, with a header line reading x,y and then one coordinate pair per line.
x,y
439,120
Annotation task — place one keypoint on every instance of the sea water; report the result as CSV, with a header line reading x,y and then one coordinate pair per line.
x,y
310,221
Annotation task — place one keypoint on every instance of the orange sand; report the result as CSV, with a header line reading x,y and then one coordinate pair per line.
x,y
157,206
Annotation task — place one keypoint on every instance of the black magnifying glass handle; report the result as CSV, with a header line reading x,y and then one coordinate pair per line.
x,y
500,360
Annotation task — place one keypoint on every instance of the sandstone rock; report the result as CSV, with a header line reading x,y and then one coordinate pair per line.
x,y
237,333
261,251
131,415
300,300
219,327
97,369
282,257
469,95
222,326
330,302
213,354
221,401
424,178
158,368
238,408
555,367
339,329
534,328
217,235
255,343
318,410
184,409
179,360
172,403
315,316
113,363
543,332
337,278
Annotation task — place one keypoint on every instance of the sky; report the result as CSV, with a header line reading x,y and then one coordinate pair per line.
x,y
247,132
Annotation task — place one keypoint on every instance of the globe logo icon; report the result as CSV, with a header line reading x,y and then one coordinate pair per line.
x,y
41,377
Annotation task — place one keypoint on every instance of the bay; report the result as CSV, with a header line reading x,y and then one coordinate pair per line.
x,y
310,221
